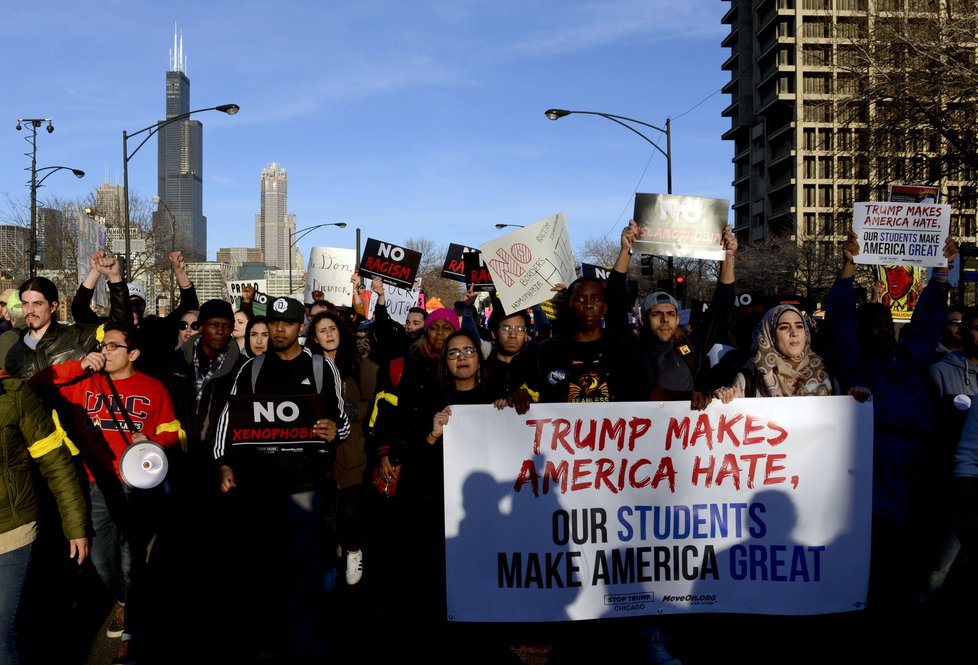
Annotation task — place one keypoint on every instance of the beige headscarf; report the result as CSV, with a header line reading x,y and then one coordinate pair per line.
x,y
777,376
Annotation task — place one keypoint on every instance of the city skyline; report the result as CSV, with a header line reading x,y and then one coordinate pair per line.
x,y
403,122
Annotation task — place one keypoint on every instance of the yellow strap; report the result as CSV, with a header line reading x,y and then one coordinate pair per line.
x,y
51,442
390,398
174,426
100,333
69,444
534,395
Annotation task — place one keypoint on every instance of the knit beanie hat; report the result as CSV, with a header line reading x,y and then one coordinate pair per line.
x,y
442,314
216,309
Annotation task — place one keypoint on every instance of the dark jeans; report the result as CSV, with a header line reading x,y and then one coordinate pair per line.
x,y
13,573
123,521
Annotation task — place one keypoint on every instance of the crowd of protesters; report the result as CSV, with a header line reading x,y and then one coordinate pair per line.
x,y
256,534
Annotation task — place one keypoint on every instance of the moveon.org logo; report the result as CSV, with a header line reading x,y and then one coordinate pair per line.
x,y
690,598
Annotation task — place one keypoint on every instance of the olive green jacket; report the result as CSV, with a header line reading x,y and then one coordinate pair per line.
x,y
27,432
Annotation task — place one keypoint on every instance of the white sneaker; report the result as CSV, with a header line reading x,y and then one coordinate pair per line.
x,y
354,567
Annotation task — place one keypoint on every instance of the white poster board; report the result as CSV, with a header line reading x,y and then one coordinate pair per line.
x,y
398,302
581,511
234,286
901,233
526,264
330,271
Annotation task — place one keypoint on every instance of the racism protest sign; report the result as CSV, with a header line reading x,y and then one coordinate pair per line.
x,y
476,274
329,271
597,272
893,233
392,263
581,511
670,225
526,264
398,301
454,267
273,422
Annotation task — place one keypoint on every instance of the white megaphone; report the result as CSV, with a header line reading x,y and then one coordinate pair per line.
x,y
143,465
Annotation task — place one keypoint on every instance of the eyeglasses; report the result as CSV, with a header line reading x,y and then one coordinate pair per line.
x,y
193,325
455,354
506,329
954,322
111,346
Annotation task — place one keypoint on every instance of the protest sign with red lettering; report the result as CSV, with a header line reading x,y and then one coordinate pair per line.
x,y
392,263
477,275
670,225
273,422
454,267
526,264
585,511
330,270
900,233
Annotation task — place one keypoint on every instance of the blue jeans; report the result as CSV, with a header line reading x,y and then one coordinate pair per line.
x,y
13,573
123,521
111,554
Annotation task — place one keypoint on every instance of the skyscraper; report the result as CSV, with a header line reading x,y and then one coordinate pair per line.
x,y
809,140
274,226
180,166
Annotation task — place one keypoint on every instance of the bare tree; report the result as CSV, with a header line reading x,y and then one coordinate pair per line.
x,y
432,260
911,83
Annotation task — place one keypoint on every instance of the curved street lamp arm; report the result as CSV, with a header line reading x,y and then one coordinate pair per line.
x,y
559,113
53,169
230,109
299,234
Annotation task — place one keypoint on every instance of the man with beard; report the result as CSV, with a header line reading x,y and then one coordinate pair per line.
x,y
284,486
45,341
675,364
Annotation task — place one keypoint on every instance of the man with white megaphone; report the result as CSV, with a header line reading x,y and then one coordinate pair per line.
x,y
123,420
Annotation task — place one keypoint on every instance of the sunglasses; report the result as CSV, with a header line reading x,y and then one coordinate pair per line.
x,y
193,325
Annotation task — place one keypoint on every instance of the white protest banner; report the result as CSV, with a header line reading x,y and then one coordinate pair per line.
x,y
234,286
671,225
904,234
581,511
330,270
398,302
527,263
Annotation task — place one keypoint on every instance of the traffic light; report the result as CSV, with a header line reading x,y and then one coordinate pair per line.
x,y
679,287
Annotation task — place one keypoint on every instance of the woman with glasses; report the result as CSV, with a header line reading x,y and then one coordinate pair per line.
x,y
417,524
187,327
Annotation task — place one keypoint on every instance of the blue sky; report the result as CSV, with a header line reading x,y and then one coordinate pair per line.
x,y
407,119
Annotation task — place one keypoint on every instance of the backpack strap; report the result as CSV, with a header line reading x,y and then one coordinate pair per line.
x,y
317,373
255,369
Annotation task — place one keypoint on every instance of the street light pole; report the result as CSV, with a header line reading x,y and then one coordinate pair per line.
x,y
230,109
34,183
299,234
557,114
